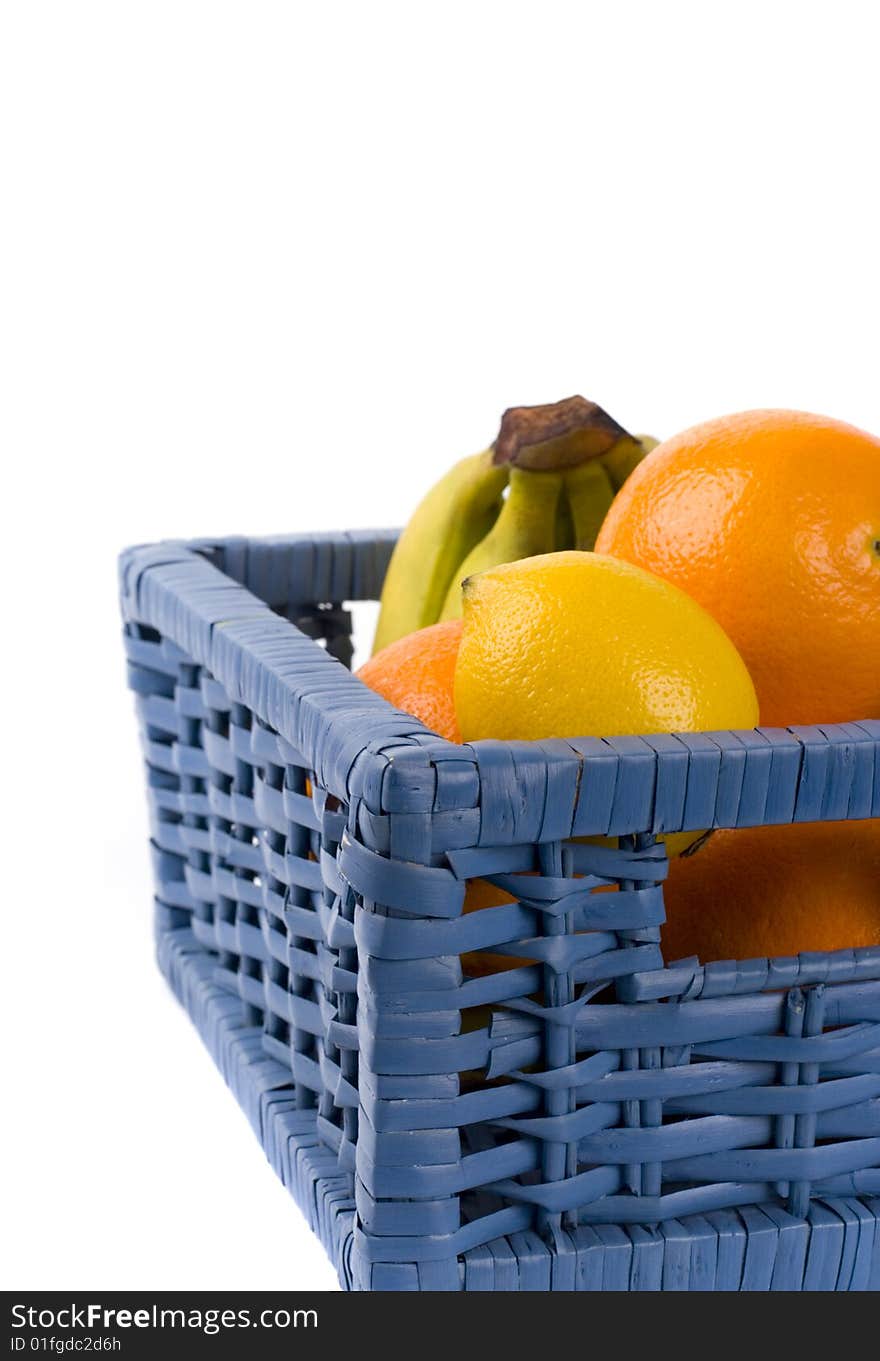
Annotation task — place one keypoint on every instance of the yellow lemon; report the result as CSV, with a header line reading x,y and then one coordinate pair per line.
x,y
586,645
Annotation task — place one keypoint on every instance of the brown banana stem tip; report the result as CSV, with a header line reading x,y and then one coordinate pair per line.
x,y
555,436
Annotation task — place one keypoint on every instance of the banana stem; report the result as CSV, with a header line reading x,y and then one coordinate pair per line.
x,y
555,436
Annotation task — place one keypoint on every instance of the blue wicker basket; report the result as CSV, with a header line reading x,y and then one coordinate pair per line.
x,y
596,1119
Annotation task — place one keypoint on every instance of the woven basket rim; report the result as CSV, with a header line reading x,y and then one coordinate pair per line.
x,y
185,590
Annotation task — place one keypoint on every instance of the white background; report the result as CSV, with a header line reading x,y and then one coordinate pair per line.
x,y
274,266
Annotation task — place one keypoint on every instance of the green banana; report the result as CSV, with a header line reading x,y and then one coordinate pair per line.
x,y
564,538
454,516
591,487
525,527
589,494
564,462
626,455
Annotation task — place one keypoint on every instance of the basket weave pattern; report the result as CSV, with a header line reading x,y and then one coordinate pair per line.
x,y
592,1118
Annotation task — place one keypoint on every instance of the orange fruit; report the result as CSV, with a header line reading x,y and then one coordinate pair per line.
x,y
476,963
763,891
771,521
416,674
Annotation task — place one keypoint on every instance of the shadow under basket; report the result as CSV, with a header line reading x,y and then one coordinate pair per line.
x,y
589,1117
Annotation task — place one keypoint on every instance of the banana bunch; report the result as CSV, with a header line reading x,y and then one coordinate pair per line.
x,y
545,484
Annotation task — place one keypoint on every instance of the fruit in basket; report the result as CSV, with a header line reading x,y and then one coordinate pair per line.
x,y
416,674
771,520
623,459
582,644
454,516
765,891
589,494
526,525
464,524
